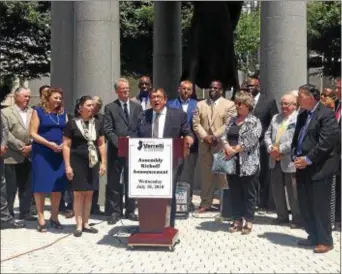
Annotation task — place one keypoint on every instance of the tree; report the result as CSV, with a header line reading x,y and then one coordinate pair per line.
x,y
324,35
247,41
25,39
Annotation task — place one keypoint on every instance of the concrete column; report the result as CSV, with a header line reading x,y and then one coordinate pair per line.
x,y
283,52
62,39
96,48
167,46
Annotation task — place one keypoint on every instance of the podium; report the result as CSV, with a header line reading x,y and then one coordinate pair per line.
x,y
154,213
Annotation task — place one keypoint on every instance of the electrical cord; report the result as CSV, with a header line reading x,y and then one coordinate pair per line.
x,y
45,246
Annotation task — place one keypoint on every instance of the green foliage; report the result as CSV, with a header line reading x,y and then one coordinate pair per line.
x,y
136,28
324,34
25,39
247,41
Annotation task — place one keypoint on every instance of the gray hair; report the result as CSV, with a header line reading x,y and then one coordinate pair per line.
x,y
98,101
245,98
120,80
291,97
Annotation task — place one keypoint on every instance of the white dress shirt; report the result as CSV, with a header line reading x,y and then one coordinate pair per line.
x,y
23,115
185,105
161,123
144,102
256,99
122,105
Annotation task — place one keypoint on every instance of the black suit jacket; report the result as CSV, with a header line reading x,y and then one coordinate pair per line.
x,y
176,124
265,109
319,143
116,124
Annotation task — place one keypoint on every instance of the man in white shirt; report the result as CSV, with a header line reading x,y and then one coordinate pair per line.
x,y
145,87
164,122
120,119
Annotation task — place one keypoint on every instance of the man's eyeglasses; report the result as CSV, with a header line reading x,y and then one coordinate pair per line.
x,y
144,83
285,104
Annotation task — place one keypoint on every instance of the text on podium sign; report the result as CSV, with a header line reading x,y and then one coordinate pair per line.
x,y
150,168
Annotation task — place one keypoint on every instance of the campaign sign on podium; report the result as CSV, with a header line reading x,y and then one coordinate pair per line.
x,y
150,172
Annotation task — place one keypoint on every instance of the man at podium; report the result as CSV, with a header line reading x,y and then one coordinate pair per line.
x,y
163,122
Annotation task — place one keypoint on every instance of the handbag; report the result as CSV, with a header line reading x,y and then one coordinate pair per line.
x,y
222,165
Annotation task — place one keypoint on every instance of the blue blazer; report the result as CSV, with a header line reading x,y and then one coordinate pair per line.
x,y
176,103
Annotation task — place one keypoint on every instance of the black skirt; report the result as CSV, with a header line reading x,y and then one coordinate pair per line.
x,y
85,178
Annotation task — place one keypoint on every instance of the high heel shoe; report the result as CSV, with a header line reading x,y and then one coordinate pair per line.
x,y
41,228
56,224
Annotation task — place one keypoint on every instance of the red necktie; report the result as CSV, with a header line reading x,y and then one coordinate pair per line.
x,y
338,112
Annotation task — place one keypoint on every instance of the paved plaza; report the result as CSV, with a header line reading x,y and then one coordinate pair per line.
x,y
205,247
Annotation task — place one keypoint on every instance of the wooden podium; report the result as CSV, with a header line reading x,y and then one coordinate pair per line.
x,y
154,213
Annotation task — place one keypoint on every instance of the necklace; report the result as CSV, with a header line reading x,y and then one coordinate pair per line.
x,y
55,122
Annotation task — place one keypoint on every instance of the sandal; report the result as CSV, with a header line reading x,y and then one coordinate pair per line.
x,y
235,227
247,228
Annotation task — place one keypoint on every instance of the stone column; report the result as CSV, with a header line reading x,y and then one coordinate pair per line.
x,y
167,46
62,40
96,48
283,52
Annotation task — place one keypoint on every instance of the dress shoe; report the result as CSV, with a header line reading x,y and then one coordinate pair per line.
x,y
202,209
306,243
92,230
78,233
323,248
27,218
13,224
112,220
132,217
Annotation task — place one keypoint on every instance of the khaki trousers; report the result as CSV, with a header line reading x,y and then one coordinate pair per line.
x,y
208,179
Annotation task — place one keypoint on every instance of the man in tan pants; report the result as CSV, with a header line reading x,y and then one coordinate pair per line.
x,y
209,122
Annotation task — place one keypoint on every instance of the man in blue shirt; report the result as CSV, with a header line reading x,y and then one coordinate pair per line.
x,y
188,105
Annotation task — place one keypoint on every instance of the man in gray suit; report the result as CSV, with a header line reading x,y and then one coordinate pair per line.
x,y
7,220
278,139
121,118
17,158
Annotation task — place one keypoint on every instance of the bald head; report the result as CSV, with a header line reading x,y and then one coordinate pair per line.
x,y
290,98
288,104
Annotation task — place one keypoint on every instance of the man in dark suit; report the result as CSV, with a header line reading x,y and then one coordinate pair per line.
x,y
188,105
145,87
121,118
338,177
316,160
164,122
265,107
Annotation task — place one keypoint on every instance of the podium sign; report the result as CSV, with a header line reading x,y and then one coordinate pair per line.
x,y
150,168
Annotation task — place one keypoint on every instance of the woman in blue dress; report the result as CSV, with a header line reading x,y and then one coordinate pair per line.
x,y
48,171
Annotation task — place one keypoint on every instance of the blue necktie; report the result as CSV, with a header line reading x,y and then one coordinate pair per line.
x,y
302,133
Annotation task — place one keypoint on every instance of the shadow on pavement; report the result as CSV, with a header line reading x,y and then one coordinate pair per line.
x,y
281,238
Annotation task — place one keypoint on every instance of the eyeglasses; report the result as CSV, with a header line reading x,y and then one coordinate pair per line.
x,y
239,104
144,83
285,104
